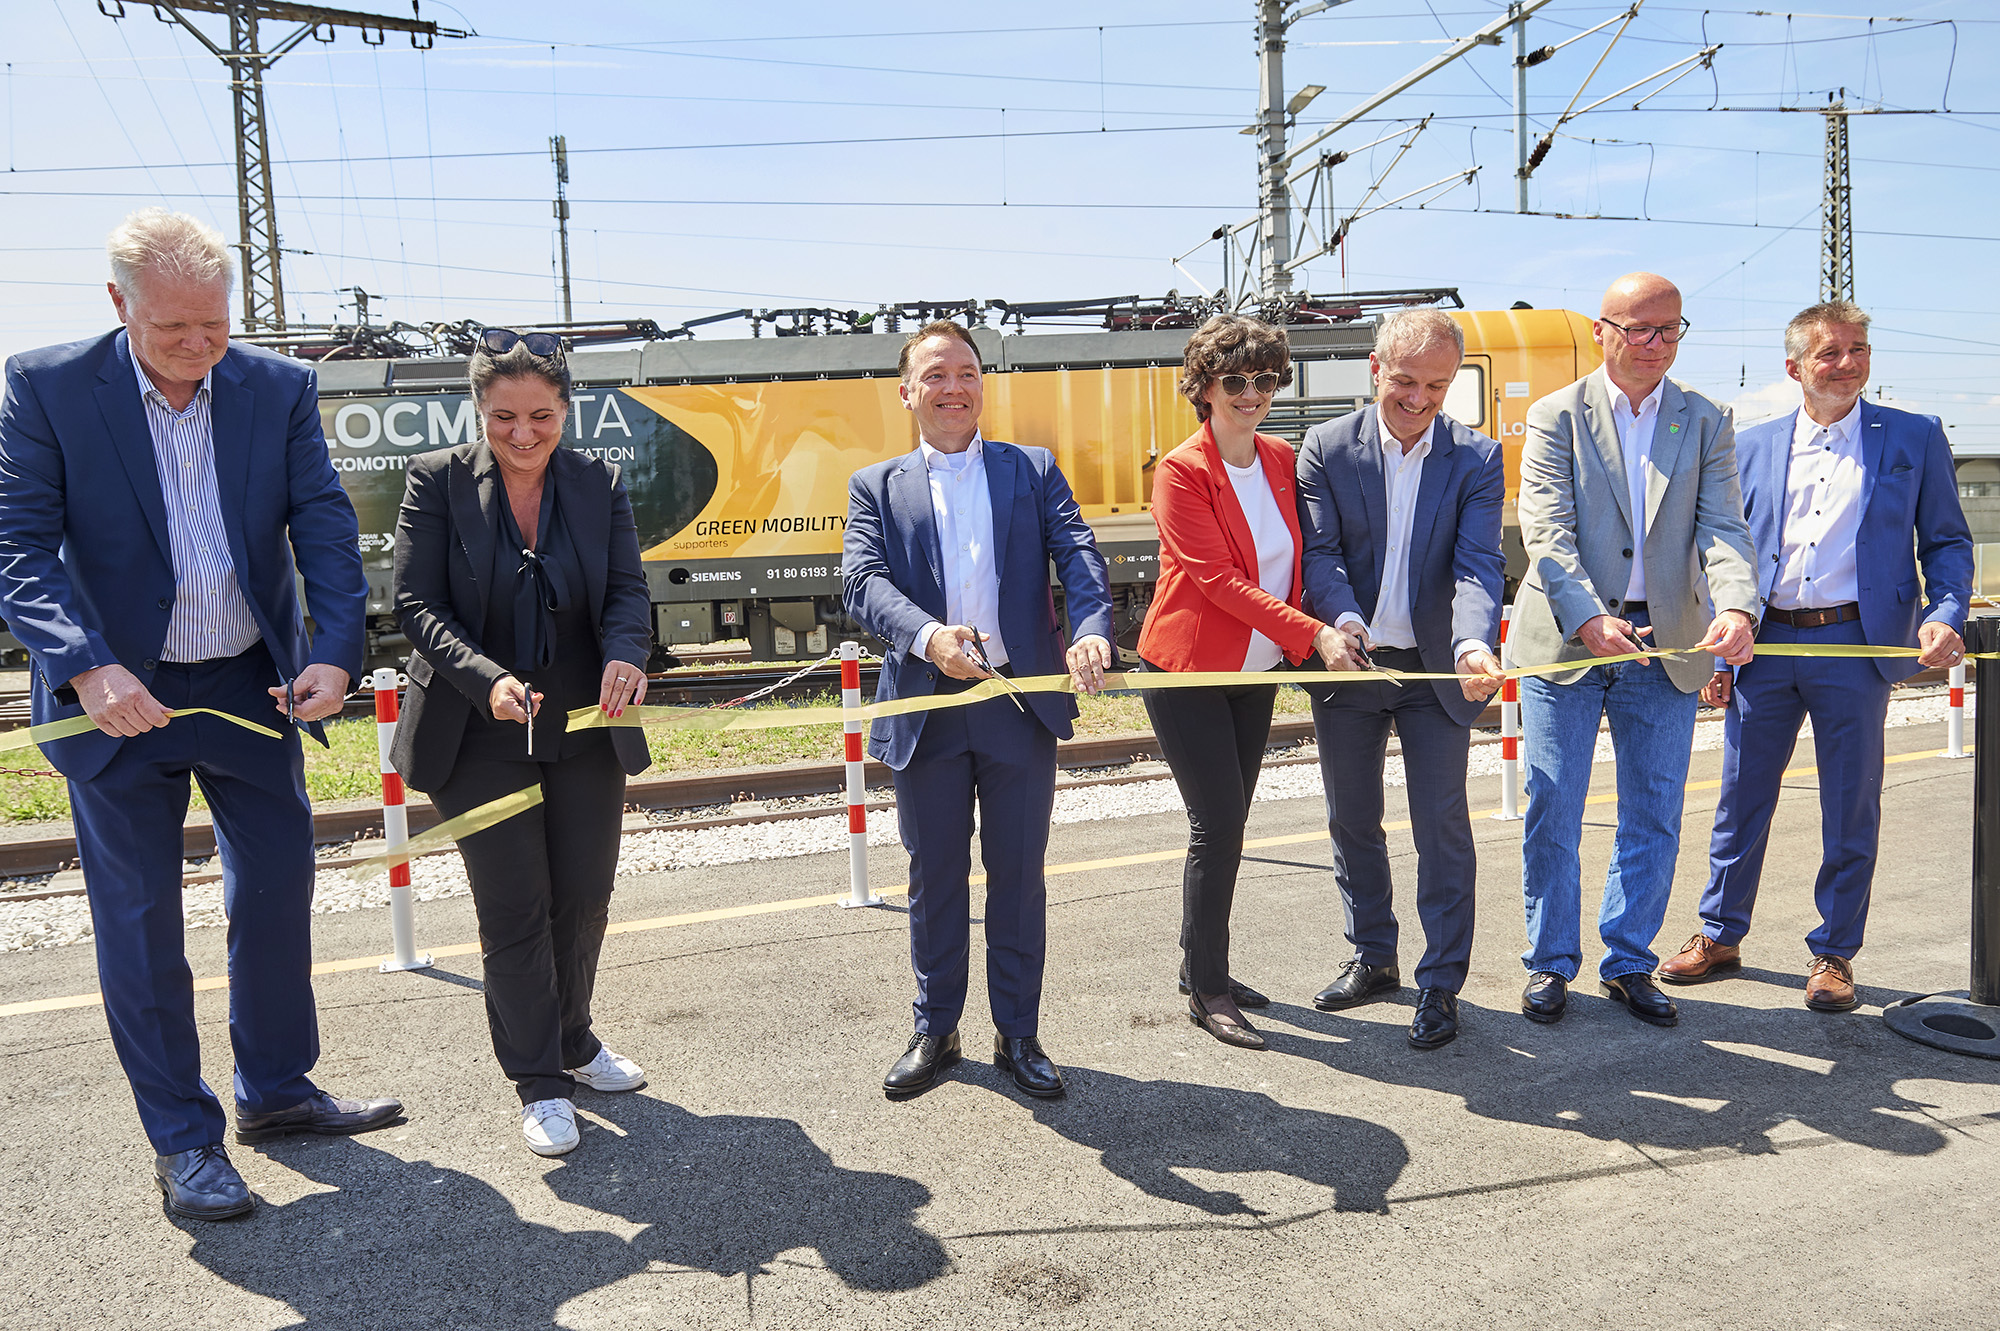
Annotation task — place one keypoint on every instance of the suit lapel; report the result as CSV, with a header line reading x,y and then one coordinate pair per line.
x,y
1373,483
586,512
1777,478
231,411
1873,443
132,438
1430,496
1235,522
475,511
1670,433
910,500
1000,482
1601,424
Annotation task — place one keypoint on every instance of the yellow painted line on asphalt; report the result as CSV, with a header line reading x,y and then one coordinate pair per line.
x,y
213,982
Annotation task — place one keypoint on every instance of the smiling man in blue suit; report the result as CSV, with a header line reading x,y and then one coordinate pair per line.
x,y
946,561
1843,497
156,484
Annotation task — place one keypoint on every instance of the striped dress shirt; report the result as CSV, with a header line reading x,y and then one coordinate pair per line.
x,y
211,618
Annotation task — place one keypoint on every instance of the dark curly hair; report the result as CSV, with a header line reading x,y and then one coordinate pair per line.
x,y
1232,344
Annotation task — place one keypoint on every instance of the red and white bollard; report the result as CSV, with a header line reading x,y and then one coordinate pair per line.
x,y
1510,732
857,785
395,831
1954,717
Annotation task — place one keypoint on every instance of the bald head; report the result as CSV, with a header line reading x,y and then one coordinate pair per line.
x,y
1634,289
1649,306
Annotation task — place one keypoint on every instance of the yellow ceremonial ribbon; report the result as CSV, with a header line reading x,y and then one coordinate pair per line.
x,y
448,831
715,719
83,725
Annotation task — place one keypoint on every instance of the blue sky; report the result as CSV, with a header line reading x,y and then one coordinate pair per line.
x,y
783,154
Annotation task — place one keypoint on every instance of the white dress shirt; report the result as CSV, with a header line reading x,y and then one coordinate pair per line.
x,y
1402,478
1817,565
963,508
1635,440
211,618
1274,550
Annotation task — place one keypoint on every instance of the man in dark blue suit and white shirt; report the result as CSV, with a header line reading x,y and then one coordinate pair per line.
x,y
946,561
1399,507
156,485
1844,497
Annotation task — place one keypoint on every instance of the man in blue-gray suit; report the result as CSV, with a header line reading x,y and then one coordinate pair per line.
x,y
155,486
1399,508
1844,498
946,561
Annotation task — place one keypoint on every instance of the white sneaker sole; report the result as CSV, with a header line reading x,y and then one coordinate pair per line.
x,y
555,1148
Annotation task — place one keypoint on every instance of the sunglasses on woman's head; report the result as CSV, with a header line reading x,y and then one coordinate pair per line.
x,y
500,341
1265,383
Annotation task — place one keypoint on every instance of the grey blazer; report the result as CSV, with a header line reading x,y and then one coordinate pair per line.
x,y
1576,525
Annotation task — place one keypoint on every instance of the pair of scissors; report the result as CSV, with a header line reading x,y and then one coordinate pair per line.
x,y
978,652
528,702
290,718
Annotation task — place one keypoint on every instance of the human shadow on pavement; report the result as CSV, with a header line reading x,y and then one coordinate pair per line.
x,y
401,1243
1723,1078
728,1193
1145,1130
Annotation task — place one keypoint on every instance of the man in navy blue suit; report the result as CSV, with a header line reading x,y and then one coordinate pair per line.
x,y
1400,510
1843,497
946,561
155,486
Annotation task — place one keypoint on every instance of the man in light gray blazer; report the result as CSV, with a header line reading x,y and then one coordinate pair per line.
x,y
1399,508
1631,517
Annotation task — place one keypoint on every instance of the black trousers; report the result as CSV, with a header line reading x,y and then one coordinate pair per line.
x,y
541,886
1213,740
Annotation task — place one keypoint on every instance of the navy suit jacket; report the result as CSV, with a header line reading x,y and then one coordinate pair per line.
x,y
893,579
86,567
1455,563
1908,485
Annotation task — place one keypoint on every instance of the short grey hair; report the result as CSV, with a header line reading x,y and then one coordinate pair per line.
x,y
1806,323
154,242
1407,332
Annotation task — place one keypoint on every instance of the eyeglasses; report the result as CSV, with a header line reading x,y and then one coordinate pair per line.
x,y
500,341
1640,335
1265,383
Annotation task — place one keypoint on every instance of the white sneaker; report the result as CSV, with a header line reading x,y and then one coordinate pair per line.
x,y
550,1127
610,1072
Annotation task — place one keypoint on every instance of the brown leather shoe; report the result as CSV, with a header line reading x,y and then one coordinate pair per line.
x,y
1830,985
1701,959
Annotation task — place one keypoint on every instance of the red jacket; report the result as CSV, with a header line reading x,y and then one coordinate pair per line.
x,y
1208,600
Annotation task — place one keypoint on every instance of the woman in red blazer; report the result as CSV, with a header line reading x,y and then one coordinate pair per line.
x,y
1227,599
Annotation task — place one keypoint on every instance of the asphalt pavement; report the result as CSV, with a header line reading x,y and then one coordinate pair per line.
x,y
1758,1165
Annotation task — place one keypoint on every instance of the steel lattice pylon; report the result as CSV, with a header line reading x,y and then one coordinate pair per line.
x,y
1836,248
256,216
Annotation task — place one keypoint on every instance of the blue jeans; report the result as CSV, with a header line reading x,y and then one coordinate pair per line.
x,y
1652,733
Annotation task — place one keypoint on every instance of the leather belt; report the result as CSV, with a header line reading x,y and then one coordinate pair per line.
x,y
1812,619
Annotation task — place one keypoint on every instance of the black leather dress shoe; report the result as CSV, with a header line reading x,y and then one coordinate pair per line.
x,y
1239,993
921,1064
1545,997
327,1115
1022,1056
1358,983
202,1185
1643,998
1436,1022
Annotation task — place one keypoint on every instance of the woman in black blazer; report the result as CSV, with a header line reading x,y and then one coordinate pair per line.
x,y
518,582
